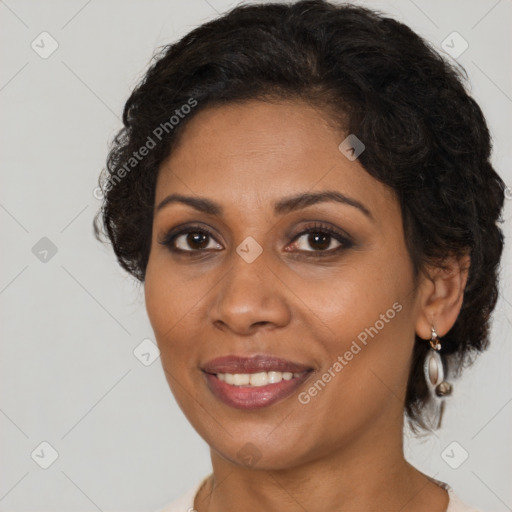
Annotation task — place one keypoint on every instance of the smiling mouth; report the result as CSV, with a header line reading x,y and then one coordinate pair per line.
x,y
258,379
253,382
255,390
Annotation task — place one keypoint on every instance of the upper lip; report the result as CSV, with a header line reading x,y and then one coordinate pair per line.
x,y
253,364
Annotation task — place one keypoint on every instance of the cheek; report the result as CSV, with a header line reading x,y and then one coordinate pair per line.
x,y
170,299
357,297
170,308
366,315
365,366
169,305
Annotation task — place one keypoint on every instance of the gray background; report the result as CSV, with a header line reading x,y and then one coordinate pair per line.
x,y
70,323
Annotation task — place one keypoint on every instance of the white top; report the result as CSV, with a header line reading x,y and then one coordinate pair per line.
x,y
185,503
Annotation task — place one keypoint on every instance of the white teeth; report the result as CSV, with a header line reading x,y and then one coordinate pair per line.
x,y
274,377
240,379
256,379
259,379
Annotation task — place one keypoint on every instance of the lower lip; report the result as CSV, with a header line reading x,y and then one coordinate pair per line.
x,y
253,397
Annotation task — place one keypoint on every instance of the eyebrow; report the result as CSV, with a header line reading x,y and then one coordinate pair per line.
x,y
281,207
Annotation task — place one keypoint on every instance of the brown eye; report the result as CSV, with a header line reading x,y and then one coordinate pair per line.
x,y
320,240
190,240
195,240
317,241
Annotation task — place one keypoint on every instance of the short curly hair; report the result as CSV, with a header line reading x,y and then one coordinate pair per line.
x,y
425,137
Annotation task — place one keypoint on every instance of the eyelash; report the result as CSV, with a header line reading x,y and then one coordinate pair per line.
x,y
316,228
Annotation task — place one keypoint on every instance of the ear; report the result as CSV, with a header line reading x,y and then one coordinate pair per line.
x,y
441,294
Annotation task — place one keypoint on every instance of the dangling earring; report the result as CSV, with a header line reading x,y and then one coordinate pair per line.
x,y
434,375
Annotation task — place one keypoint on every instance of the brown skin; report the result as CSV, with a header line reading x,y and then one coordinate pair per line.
x,y
343,450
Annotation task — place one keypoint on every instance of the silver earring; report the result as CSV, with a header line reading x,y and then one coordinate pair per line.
x,y
434,375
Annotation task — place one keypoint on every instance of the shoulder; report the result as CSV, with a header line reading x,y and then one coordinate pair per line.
x,y
185,503
457,505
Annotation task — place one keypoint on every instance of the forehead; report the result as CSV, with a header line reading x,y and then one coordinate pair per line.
x,y
254,153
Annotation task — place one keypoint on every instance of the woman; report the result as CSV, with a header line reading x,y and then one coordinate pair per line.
x,y
305,192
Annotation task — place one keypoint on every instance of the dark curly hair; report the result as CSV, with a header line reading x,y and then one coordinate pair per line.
x,y
425,137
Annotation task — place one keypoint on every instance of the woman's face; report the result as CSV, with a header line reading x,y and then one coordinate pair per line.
x,y
324,285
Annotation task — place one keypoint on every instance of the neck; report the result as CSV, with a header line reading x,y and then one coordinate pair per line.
x,y
366,473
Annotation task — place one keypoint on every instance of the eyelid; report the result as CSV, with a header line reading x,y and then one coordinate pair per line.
x,y
341,236
323,228
184,228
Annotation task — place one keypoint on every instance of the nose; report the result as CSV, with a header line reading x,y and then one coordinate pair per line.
x,y
250,297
